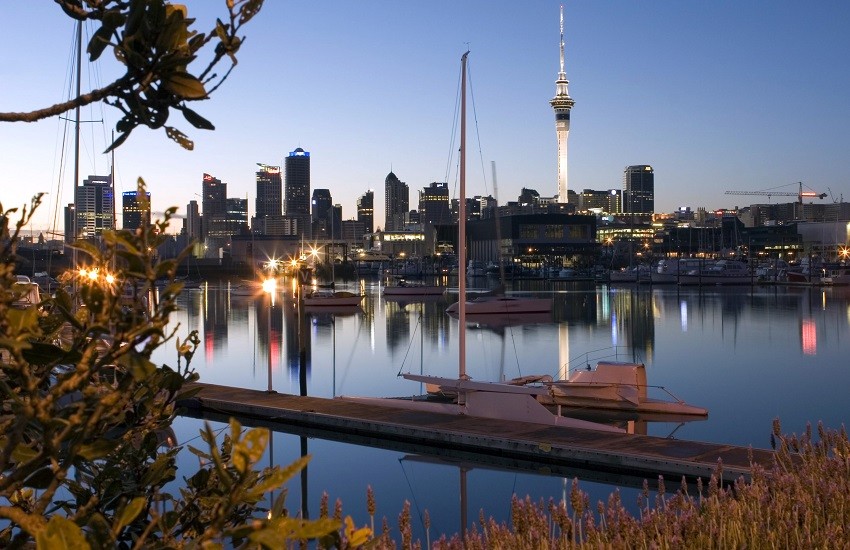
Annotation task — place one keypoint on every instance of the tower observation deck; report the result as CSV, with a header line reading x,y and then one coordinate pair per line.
x,y
562,103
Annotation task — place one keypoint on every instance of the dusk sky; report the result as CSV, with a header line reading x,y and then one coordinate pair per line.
x,y
714,95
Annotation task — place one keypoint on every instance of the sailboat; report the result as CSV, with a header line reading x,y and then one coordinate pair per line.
x,y
492,400
497,302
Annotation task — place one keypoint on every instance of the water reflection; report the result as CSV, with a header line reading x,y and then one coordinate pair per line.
x,y
747,354
698,342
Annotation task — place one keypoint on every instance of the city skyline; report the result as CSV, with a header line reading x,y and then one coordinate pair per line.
x,y
714,97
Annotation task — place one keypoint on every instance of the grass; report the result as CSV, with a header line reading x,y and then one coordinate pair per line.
x,y
801,501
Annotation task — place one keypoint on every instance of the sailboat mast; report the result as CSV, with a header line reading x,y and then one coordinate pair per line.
x,y
77,136
461,225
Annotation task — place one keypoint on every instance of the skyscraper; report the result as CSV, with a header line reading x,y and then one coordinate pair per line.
x,y
639,192
562,103
269,192
135,209
320,213
396,202
95,206
213,202
297,189
193,221
366,210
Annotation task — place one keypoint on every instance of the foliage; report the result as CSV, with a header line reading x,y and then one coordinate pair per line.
x,y
86,451
155,42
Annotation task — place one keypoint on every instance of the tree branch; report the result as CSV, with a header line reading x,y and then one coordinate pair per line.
x,y
59,108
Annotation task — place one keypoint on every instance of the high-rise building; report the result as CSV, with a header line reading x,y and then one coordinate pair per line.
x,y
70,214
639,192
136,209
297,189
269,192
213,202
396,202
366,211
320,213
193,221
95,206
562,103
434,205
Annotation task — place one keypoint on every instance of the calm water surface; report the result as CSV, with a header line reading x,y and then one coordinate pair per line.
x,y
749,355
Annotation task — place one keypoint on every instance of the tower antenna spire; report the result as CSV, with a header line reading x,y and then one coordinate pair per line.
x,y
561,104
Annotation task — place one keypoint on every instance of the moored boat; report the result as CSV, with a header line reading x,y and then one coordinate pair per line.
x,y
721,272
403,287
325,297
612,385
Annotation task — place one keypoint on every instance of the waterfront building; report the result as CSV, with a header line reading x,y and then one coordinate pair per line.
x,y
535,240
366,211
269,192
639,192
562,103
213,201
396,202
297,189
136,209
94,202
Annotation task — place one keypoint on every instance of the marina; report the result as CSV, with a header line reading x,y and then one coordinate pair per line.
x,y
749,355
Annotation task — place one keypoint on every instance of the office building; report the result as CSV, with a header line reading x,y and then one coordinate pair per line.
x,y
434,207
396,203
94,201
136,209
366,211
269,192
320,213
213,203
639,192
297,189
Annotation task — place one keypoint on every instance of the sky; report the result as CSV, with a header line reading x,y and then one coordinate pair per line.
x,y
716,96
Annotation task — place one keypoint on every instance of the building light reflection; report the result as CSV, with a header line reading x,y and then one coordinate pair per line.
x,y
809,336
683,313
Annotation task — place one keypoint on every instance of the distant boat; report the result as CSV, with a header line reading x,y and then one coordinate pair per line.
x,y
330,298
502,304
721,272
403,287
669,270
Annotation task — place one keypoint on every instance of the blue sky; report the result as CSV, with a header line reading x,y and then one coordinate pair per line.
x,y
714,95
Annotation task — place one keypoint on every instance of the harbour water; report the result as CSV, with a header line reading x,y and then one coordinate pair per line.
x,y
747,354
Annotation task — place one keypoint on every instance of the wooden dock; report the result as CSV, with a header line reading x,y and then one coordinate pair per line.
x,y
546,447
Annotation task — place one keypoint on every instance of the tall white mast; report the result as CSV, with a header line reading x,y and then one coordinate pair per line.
x,y
461,226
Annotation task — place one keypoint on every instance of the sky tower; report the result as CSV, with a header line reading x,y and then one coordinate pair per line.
x,y
562,103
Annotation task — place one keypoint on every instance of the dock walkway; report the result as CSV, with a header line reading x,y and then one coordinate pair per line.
x,y
545,445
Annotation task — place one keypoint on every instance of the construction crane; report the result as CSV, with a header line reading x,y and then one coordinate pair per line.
x,y
770,193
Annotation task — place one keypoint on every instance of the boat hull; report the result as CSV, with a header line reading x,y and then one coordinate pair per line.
x,y
423,290
489,305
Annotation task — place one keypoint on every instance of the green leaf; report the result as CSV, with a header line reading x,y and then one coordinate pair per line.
x,y
196,120
22,453
61,534
185,85
97,449
130,512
